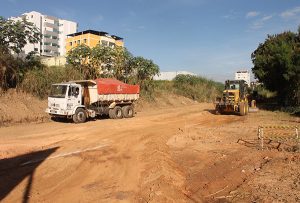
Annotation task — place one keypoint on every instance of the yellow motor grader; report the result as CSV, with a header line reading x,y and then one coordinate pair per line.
x,y
234,98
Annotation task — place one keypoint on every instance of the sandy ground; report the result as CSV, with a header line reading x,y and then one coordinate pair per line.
x,y
179,154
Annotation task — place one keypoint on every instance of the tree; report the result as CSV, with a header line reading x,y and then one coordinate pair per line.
x,y
145,69
14,35
79,58
277,66
121,63
115,62
101,60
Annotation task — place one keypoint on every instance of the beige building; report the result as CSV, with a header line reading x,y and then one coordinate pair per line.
x,y
54,61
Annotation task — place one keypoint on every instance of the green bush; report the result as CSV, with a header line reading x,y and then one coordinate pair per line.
x,y
38,81
197,88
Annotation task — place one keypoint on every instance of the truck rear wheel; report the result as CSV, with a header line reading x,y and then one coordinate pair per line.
x,y
242,109
115,113
79,116
127,111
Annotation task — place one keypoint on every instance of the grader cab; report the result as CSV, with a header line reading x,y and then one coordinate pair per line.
x,y
234,98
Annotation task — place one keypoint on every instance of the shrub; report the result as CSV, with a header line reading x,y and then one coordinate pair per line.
x,y
38,81
197,88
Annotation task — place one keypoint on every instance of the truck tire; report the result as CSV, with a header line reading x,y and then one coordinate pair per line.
x,y
79,116
128,111
242,109
111,114
115,113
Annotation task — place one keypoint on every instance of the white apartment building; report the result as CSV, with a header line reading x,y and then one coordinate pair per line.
x,y
243,75
54,33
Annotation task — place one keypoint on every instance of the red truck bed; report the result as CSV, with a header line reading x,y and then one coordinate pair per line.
x,y
113,86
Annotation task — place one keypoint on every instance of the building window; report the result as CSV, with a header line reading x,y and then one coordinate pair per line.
x,y
78,41
31,16
104,42
111,44
36,49
70,43
84,40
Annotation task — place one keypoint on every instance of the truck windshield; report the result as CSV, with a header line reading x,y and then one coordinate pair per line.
x,y
58,91
234,86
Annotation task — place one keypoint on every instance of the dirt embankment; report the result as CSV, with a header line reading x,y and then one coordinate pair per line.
x,y
19,107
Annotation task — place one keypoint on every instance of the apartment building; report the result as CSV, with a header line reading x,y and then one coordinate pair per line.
x,y
53,30
91,38
243,75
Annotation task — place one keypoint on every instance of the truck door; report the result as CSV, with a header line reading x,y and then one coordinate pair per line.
x,y
74,95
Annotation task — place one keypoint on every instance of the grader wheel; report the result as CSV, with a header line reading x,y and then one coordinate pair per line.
x,y
242,109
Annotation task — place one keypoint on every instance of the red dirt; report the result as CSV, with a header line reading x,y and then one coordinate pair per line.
x,y
179,154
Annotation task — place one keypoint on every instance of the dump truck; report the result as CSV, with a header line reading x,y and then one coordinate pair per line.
x,y
234,98
83,99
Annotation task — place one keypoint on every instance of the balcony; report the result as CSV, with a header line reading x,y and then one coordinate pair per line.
x,y
51,48
49,40
50,25
47,32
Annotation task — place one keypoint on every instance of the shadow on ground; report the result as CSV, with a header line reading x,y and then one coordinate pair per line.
x,y
14,170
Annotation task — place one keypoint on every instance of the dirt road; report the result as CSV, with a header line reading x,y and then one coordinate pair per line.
x,y
182,154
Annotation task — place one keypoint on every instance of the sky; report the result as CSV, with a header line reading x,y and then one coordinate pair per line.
x,y
212,38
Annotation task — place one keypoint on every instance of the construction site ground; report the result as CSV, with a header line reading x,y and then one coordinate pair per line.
x,y
179,154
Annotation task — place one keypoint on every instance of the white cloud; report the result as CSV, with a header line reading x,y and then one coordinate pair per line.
x,y
291,13
261,22
266,18
252,14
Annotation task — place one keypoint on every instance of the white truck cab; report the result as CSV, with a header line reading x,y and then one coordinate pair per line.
x,y
64,99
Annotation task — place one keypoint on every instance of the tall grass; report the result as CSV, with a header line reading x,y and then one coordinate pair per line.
x,y
38,81
194,87
197,88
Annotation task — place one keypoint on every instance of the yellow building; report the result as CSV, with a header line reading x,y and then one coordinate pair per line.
x,y
91,38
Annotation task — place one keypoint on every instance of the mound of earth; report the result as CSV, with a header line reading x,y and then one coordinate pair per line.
x,y
20,107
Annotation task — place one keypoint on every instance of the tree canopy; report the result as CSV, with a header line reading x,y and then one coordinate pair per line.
x,y
14,35
277,66
117,62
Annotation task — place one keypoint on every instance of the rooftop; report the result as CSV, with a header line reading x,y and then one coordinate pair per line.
x,y
94,32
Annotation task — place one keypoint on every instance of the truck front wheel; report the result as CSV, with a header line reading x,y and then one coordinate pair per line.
x,y
79,116
242,109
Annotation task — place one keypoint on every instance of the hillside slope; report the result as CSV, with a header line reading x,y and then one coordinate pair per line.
x,y
19,107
